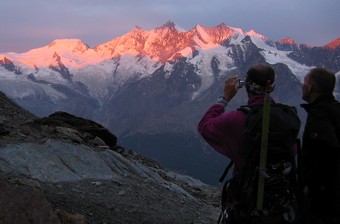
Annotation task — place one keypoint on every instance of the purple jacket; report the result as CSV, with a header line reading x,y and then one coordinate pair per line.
x,y
223,130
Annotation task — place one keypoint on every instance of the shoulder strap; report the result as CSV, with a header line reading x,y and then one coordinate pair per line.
x,y
264,149
247,108
244,108
226,171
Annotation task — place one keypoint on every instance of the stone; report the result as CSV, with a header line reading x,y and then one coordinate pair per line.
x,y
22,204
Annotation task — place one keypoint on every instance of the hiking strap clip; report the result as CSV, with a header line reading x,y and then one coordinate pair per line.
x,y
223,216
263,172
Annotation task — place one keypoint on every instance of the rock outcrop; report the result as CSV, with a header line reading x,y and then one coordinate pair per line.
x,y
67,169
87,128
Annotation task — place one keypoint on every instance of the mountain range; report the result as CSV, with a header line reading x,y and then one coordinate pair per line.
x,y
151,87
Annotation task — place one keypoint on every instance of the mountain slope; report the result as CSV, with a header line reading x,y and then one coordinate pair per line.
x,y
156,83
52,166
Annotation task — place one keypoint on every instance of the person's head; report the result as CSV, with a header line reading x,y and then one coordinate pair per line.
x,y
260,79
318,81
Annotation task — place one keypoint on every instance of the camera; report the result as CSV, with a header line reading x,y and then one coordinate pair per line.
x,y
241,83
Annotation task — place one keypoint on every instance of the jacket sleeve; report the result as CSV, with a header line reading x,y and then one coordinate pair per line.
x,y
222,130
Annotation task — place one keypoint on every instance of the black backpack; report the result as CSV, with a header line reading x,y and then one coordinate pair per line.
x,y
239,194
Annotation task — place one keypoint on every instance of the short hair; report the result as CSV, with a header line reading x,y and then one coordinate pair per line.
x,y
323,79
258,77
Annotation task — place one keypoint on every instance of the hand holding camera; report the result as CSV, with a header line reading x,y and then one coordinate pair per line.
x,y
241,83
231,87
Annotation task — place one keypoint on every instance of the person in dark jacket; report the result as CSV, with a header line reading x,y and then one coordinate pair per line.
x,y
320,148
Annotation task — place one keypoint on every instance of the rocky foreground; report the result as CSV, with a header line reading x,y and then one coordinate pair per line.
x,y
66,169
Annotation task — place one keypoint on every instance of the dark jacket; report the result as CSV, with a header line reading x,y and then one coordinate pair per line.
x,y
320,154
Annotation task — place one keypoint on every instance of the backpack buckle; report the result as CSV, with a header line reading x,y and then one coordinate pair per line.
x,y
224,217
263,172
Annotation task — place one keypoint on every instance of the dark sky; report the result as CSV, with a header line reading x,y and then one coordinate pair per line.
x,y
28,24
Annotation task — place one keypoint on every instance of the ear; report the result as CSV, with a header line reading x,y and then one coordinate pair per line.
x,y
312,86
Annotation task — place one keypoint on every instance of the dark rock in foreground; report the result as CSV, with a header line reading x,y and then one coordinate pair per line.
x,y
73,176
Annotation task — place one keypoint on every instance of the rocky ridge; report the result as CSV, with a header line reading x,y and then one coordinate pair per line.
x,y
66,169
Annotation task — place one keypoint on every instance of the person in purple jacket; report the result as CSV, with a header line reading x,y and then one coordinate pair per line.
x,y
222,129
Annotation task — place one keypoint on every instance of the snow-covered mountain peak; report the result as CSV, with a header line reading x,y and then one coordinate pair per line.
x,y
166,31
143,49
71,52
75,45
168,25
132,43
287,40
221,31
333,44
3,57
137,28
158,44
208,37
253,33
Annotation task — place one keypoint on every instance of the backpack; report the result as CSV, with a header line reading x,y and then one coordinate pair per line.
x,y
239,194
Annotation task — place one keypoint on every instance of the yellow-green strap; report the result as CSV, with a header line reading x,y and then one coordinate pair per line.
x,y
264,149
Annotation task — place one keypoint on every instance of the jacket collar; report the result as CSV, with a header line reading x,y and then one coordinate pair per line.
x,y
322,98
258,100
